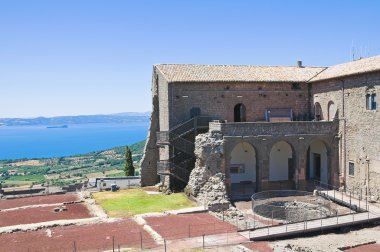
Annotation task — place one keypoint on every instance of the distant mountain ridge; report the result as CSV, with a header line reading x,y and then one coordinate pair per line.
x,y
124,117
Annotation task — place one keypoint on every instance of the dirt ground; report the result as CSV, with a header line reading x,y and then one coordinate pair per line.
x,y
42,214
97,237
37,200
188,225
332,241
365,248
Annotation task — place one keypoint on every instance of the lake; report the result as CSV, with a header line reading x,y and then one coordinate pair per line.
x,y
39,141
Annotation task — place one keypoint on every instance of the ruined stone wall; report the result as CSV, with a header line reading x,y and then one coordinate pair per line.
x,y
219,99
151,150
207,181
358,127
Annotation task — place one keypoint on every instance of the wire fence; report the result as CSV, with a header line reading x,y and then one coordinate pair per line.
x,y
208,234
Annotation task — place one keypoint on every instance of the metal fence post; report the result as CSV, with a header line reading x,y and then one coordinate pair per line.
x,y
203,240
113,243
350,199
334,194
141,241
75,247
286,226
368,213
272,217
165,245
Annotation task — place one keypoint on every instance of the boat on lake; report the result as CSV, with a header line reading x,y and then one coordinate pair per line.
x,y
58,127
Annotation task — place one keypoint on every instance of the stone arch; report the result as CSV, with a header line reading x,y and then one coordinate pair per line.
x,y
239,113
243,163
281,162
318,115
331,111
317,161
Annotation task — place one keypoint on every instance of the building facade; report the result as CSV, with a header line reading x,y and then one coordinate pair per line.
x,y
282,127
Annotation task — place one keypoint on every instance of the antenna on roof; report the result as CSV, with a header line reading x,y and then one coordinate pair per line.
x,y
353,51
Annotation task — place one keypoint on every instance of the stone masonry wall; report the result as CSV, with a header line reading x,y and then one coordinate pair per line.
x,y
358,128
151,150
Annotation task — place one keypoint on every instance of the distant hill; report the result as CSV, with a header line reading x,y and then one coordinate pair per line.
x,y
81,119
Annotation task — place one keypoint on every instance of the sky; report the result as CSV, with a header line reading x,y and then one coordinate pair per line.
x,y
72,57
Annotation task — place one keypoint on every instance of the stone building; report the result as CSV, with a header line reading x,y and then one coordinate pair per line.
x,y
274,127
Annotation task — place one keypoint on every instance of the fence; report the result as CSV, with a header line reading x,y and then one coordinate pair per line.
x,y
353,209
204,235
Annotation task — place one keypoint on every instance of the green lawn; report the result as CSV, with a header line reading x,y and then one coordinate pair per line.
x,y
127,203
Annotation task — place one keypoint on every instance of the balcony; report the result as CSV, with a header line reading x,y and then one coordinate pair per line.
x,y
275,128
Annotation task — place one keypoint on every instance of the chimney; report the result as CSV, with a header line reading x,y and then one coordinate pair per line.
x,y
299,63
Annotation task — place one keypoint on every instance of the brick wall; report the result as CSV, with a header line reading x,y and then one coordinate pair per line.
x,y
219,99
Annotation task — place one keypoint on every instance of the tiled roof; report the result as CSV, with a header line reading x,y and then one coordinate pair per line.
x,y
224,73
354,67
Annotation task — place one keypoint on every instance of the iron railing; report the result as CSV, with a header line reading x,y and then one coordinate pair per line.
x,y
168,168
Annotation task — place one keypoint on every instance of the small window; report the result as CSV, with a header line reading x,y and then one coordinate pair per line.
x,y
296,86
351,168
104,184
371,101
236,169
194,112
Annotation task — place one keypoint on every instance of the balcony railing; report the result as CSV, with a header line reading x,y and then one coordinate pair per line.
x,y
275,128
168,168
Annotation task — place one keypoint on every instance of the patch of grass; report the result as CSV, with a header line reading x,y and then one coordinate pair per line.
x,y
130,202
34,177
119,174
17,183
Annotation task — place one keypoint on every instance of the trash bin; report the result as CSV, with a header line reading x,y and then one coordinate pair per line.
x,y
113,188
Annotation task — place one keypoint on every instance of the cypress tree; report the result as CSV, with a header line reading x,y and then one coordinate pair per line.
x,y
129,169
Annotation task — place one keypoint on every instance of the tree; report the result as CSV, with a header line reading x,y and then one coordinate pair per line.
x,y
129,168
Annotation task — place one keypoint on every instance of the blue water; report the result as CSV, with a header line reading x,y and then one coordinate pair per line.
x,y
39,141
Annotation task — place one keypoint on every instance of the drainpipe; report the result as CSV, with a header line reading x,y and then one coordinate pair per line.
x,y
367,160
344,175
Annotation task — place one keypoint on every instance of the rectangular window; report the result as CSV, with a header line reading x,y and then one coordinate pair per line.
x,y
237,168
368,102
351,168
371,101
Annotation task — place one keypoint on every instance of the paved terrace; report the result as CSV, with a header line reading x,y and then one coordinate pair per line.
x,y
368,213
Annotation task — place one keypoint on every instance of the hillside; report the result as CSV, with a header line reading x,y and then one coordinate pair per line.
x,y
66,170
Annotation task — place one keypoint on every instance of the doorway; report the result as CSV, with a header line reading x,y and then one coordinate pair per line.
x,y
239,113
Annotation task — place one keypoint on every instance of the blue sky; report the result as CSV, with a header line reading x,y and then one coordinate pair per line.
x,y
92,57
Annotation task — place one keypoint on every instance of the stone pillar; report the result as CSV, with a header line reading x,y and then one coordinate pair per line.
x,y
302,183
263,184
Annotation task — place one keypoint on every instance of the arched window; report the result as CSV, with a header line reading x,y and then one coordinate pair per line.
x,y
331,111
239,113
318,111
